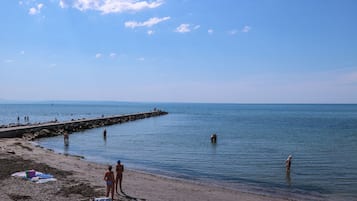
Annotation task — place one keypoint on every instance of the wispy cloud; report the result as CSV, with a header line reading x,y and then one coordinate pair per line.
x,y
150,32
141,59
183,28
196,27
36,10
112,55
115,6
246,29
98,55
232,32
148,23
210,31
62,4
22,52
9,61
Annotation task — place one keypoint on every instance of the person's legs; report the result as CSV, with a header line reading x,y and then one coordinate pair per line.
x,y
116,184
120,180
107,193
112,191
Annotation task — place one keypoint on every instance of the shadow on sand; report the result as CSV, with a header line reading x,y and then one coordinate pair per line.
x,y
128,197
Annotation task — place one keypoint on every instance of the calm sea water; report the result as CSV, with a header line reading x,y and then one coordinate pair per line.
x,y
253,143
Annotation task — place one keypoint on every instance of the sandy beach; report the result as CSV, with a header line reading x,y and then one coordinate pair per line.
x,y
78,179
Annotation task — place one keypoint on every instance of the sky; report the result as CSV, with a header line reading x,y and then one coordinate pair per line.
x,y
207,51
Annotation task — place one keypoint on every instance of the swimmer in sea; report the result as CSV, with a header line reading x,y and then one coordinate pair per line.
x,y
109,179
119,177
288,163
214,138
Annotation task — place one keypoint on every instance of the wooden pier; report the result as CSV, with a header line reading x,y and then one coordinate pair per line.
x,y
58,128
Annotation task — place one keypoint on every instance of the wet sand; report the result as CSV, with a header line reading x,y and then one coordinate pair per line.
x,y
78,179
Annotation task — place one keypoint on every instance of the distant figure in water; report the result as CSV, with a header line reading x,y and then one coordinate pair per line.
x,y
105,133
66,138
288,164
213,138
119,177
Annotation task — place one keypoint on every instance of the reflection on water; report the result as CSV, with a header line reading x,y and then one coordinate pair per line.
x,y
65,148
288,178
105,139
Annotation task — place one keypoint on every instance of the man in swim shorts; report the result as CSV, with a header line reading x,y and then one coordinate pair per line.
x,y
109,179
119,177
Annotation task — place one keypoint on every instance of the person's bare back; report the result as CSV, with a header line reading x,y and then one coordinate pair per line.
x,y
109,179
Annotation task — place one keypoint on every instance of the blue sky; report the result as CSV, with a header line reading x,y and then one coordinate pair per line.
x,y
235,51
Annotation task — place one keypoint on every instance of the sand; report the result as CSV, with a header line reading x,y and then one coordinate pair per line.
x,y
79,179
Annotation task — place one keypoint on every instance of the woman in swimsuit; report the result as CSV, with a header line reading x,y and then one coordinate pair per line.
x,y
109,179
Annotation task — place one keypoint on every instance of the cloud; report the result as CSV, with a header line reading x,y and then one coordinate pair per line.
x,y
150,32
22,52
149,23
112,55
115,6
141,59
233,32
196,27
62,4
183,28
36,10
9,61
98,55
246,29
210,31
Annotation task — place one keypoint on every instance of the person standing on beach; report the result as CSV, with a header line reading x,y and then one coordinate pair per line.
x,y
109,179
288,164
119,177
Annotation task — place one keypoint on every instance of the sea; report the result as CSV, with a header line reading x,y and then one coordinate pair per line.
x,y
253,142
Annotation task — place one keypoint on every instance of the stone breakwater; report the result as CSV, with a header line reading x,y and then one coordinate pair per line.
x,y
31,132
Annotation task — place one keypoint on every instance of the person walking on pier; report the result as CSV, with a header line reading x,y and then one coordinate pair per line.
x,y
119,176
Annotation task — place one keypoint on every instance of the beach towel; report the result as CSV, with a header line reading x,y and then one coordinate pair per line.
x,y
38,177
103,199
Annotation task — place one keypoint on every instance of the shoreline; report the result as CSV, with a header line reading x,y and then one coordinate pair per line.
x,y
80,175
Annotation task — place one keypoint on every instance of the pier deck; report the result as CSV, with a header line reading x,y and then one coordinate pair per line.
x,y
58,128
